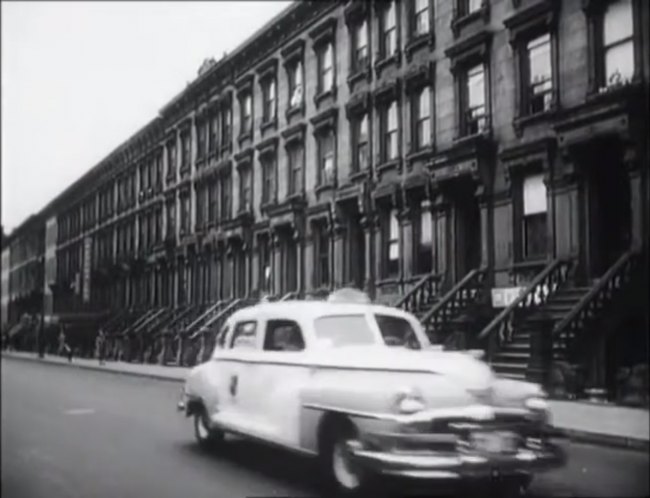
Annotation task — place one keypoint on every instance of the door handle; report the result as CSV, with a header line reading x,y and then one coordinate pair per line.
x,y
233,385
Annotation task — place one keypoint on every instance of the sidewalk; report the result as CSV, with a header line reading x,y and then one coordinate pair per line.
x,y
580,421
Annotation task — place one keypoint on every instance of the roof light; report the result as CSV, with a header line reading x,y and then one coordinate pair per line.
x,y
348,295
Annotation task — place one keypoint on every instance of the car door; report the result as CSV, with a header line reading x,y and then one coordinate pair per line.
x,y
285,374
238,378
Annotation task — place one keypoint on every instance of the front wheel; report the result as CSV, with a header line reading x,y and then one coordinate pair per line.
x,y
207,437
342,475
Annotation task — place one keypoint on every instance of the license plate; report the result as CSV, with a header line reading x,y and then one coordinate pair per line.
x,y
493,442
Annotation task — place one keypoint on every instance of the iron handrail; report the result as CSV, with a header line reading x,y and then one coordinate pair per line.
x,y
450,294
515,304
595,290
420,283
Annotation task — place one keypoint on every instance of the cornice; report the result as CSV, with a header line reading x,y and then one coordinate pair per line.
x,y
324,32
542,14
294,134
268,146
325,120
475,47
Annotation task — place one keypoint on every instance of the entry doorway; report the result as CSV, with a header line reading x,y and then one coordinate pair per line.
x,y
466,227
606,209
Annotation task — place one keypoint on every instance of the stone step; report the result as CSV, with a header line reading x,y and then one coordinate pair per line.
x,y
513,375
500,366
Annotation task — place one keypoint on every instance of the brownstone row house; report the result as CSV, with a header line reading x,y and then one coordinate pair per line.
x,y
483,163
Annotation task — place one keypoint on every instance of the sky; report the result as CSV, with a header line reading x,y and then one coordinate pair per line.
x,y
79,78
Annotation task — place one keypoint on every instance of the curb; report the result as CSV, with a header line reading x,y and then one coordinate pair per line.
x,y
607,440
97,368
603,439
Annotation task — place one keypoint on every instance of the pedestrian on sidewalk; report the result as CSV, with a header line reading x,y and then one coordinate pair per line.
x,y
100,344
64,347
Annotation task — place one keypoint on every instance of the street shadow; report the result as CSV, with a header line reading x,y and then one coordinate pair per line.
x,y
270,462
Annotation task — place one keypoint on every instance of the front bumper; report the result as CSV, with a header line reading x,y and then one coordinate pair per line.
x,y
456,464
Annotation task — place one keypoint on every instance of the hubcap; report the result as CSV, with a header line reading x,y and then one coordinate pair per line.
x,y
202,429
343,467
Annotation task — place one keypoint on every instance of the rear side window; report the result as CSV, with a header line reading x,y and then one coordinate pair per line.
x,y
283,335
397,332
244,335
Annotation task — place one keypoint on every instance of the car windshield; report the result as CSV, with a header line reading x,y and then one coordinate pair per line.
x,y
344,330
397,331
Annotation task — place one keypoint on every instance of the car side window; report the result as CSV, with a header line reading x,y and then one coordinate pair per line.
x,y
244,335
221,338
283,335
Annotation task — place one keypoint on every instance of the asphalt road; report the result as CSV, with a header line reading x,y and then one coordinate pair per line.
x,y
73,433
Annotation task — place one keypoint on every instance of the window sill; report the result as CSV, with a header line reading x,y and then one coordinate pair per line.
x,y
419,42
380,65
270,124
462,20
388,165
185,170
245,136
419,154
295,110
613,92
528,120
331,93
485,133
200,161
357,75
361,174
324,187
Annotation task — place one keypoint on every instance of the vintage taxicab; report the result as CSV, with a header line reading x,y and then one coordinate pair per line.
x,y
359,386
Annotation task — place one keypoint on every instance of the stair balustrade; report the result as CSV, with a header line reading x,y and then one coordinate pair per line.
x,y
499,330
608,287
421,294
467,291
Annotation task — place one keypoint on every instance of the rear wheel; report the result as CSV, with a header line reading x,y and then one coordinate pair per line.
x,y
207,437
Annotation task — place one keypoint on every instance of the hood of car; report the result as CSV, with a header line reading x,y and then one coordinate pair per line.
x,y
458,367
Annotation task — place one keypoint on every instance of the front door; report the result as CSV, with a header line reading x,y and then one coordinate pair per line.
x,y
467,231
607,210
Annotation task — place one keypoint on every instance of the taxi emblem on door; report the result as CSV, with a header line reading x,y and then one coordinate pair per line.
x,y
233,385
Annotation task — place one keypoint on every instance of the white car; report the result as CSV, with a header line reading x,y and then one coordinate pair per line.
x,y
359,386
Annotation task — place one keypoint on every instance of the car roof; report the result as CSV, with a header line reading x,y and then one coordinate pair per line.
x,y
313,309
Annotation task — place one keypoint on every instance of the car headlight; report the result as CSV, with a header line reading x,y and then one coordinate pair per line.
x,y
539,407
409,400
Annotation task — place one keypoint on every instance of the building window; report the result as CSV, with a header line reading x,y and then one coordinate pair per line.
x,y
360,44
473,101
421,17
245,194
391,244
326,157
268,165
226,126
269,97
265,262
325,68
360,159
389,132
213,122
201,141
422,117
171,220
618,43
388,29
185,214
424,240
226,202
158,168
322,252
212,201
200,206
295,85
246,114
171,160
296,156
534,217
185,150
538,75
467,7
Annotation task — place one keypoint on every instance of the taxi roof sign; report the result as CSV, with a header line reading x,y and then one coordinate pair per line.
x,y
349,295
